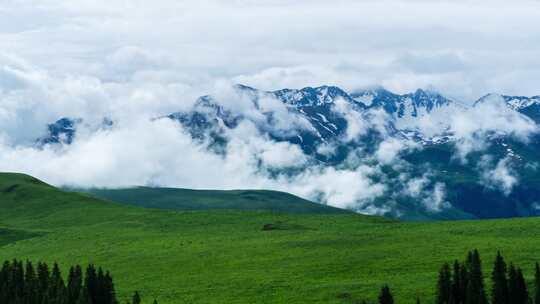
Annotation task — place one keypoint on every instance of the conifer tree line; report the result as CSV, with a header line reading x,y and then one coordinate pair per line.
x,y
463,283
24,283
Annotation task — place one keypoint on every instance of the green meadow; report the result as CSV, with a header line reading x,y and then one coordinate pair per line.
x,y
225,256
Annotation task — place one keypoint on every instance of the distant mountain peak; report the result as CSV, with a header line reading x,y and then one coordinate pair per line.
x,y
312,96
240,86
61,131
514,102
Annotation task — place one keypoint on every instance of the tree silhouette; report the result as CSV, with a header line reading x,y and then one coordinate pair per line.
x,y
385,296
499,290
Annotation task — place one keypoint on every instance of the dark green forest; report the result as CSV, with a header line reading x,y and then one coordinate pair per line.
x,y
24,283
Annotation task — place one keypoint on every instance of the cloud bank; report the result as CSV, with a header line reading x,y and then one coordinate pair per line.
x,y
132,62
271,44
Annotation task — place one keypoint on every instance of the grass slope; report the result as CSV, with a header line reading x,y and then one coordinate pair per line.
x,y
186,199
225,257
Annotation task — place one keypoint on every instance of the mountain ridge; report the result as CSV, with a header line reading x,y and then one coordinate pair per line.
x,y
332,126
191,199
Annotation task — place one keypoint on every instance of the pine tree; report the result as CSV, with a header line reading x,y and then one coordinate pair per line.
x,y
31,284
463,283
74,285
385,296
522,288
513,285
110,293
43,281
90,284
57,288
475,288
136,298
455,296
4,280
444,285
537,284
100,287
83,297
18,277
499,291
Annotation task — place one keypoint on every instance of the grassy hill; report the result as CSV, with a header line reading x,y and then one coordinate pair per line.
x,y
224,256
186,199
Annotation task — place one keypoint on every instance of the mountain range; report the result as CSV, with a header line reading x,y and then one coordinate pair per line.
x,y
469,161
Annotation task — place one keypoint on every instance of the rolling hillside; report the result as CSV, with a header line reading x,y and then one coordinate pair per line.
x,y
224,256
187,199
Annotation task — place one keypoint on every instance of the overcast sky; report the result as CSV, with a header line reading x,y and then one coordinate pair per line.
x,y
136,60
462,48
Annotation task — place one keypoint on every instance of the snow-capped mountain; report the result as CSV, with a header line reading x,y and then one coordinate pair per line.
x,y
305,117
412,104
529,106
313,116
334,128
312,97
421,116
61,131
323,114
65,129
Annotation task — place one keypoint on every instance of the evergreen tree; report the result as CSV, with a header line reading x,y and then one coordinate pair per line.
x,y
83,297
100,287
110,293
4,282
43,281
470,294
74,286
537,284
499,290
523,294
385,296
517,288
444,285
475,288
22,284
17,280
514,286
57,288
90,284
31,284
463,284
136,298
455,296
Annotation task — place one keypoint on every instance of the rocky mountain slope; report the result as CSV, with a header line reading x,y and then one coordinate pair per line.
x,y
437,157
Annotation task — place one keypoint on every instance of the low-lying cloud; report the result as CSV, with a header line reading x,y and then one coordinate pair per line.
x,y
134,62
498,174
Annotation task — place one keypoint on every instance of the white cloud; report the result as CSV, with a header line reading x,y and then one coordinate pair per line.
x,y
415,186
340,188
436,201
431,194
131,154
492,117
273,44
499,176
139,60
357,125
388,150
